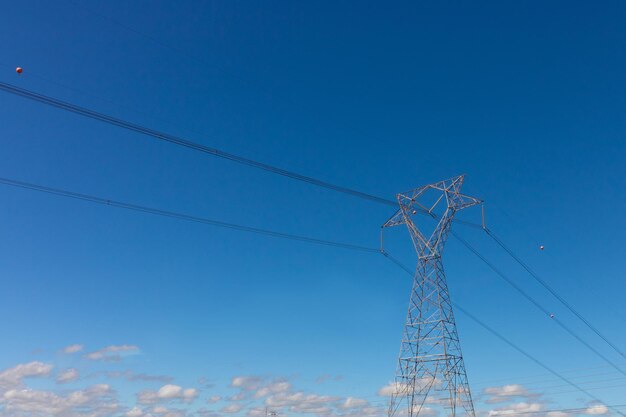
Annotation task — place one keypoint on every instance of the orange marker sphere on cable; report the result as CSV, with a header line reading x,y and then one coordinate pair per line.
x,y
19,70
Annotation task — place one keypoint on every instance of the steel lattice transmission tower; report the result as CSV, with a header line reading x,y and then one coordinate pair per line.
x,y
430,367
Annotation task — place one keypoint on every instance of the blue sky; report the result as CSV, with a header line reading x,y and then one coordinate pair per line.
x,y
526,98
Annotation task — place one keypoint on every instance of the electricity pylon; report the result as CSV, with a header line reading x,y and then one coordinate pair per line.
x,y
430,367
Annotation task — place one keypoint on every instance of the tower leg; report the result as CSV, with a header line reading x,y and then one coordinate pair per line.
x,y
430,370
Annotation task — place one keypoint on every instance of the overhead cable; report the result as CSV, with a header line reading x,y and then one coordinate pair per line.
x,y
83,111
552,291
182,216
536,303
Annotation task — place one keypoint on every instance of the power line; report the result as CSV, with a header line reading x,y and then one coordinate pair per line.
x,y
102,99
529,356
552,291
182,216
534,382
177,140
587,382
184,142
533,377
589,389
535,302
536,241
558,389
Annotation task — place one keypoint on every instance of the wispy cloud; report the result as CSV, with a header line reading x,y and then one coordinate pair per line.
x,y
112,353
323,378
135,377
68,350
68,375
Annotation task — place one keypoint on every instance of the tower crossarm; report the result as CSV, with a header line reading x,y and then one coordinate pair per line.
x,y
446,193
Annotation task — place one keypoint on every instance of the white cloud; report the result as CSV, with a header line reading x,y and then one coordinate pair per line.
x,y
253,394
132,376
392,388
167,412
98,399
190,394
68,375
246,382
134,412
167,393
12,377
279,395
352,402
597,409
506,392
300,401
556,414
240,396
257,385
396,387
112,353
232,408
522,407
256,412
72,349
273,388
205,412
17,400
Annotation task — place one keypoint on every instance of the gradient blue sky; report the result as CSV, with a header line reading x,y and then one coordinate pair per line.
x,y
526,98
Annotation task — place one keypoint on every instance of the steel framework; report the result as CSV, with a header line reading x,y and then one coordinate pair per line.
x,y
430,366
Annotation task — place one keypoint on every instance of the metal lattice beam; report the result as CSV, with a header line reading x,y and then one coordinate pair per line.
x,y
430,366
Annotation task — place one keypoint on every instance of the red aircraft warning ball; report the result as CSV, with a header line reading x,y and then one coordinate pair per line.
x,y
19,70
